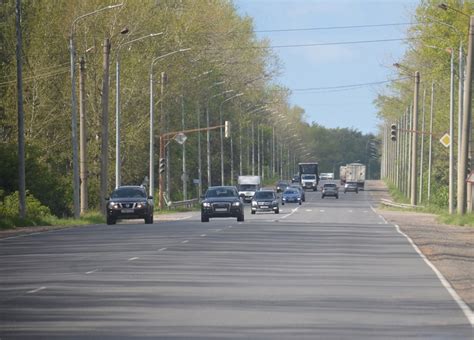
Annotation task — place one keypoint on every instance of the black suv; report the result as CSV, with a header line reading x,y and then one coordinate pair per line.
x,y
222,201
129,201
265,200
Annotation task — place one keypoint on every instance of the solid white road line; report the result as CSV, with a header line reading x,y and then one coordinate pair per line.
x,y
291,213
467,311
36,290
133,258
92,271
162,249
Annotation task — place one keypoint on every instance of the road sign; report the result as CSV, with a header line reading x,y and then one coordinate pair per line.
x,y
445,140
180,138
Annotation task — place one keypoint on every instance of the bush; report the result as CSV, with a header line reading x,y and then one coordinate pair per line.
x,y
35,212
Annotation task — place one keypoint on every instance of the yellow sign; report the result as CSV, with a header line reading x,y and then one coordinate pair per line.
x,y
445,140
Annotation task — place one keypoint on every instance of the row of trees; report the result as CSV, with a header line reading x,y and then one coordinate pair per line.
x,y
438,32
223,58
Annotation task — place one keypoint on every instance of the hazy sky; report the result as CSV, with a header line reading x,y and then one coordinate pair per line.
x,y
334,65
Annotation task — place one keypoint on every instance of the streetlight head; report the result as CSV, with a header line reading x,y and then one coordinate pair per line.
x,y
397,65
443,6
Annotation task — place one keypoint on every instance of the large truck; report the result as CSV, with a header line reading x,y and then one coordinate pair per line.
x,y
355,172
342,174
309,175
247,186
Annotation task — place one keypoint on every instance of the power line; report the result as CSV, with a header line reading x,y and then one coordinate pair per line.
x,y
332,27
348,86
41,76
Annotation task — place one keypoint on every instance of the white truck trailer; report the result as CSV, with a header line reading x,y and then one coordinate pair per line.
x,y
247,185
355,172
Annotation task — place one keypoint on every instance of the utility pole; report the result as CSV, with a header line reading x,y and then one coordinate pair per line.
x,y
185,179
430,152
83,136
414,140
21,117
104,154
198,112
253,149
451,137
208,148
162,131
466,121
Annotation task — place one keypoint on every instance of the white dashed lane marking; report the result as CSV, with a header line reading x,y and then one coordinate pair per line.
x,y
36,290
185,241
162,249
92,271
133,258
203,235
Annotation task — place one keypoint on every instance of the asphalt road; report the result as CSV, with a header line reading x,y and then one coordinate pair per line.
x,y
328,269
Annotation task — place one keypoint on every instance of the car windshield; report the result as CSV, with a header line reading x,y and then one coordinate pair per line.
x,y
309,176
244,187
329,185
291,191
282,184
128,192
220,192
264,195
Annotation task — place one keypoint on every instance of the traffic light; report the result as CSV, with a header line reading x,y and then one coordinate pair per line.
x,y
227,129
393,132
373,151
162,165
468,166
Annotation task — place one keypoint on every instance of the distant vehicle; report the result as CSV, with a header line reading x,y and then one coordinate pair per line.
x,y
291,195
326,176
281,186
129,202
351,186
309,175
309,182
330,189
265,200
247,186
355,172
295,179
300,188
222,201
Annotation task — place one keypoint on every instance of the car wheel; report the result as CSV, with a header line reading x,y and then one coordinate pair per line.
x,y
315,189
322,196
240,218
253,212
149,219
337,197
277,211
300,203
204,218
110,220
282,203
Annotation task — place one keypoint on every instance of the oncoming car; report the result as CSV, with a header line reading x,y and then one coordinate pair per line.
x,y
222,201
129,201
265,200
291,195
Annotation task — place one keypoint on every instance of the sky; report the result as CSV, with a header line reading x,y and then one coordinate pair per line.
x,y
334,65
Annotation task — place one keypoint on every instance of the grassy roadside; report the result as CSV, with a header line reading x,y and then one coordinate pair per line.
x,y
442,213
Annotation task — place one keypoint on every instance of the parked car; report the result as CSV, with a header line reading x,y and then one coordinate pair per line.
x,y
281,186
300,188
330,189
291,195
265,200
128,202
351,186
222,201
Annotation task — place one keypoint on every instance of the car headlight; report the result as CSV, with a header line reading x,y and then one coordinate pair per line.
x,y
283,198
206,204
275,202
114,205
236,204
141,205
254,203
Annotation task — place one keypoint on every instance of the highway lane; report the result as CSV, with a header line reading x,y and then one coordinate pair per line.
x,y
329,269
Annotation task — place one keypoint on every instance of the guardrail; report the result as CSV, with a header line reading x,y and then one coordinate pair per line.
x,y
398,205
186,204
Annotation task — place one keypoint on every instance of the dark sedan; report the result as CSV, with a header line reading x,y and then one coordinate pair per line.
x,y
291,195
222,201
281,186
129,201
265,200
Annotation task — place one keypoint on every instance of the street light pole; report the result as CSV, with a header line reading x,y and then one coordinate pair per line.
x,y
152,118
75,147
118,175
414,141
222,135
